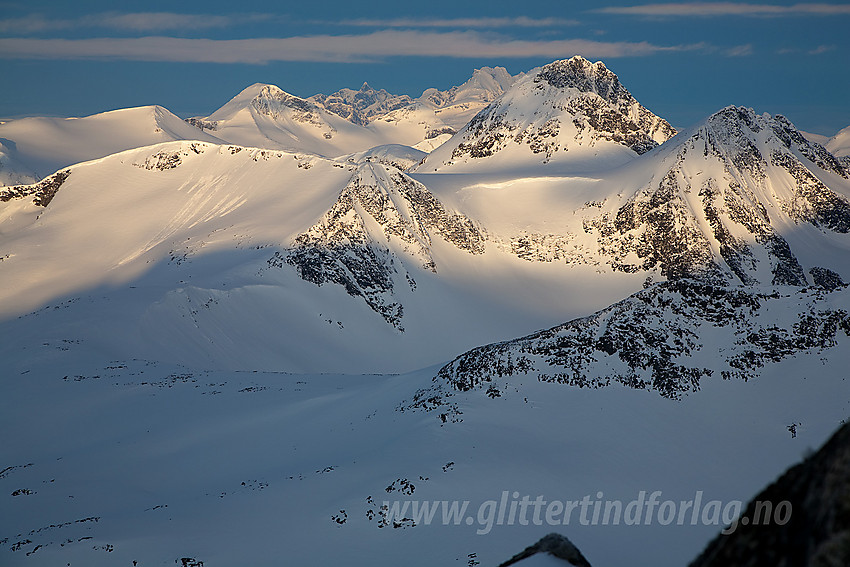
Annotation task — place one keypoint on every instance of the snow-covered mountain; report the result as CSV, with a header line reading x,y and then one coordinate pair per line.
x,y
437,115
459,104
220,305
268,117
839,145
565,108
741,194
276,245
348,120
361,106
740,199
33,148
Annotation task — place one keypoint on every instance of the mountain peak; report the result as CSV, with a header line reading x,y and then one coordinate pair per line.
x,y
749,138
264,98
566,104
581,74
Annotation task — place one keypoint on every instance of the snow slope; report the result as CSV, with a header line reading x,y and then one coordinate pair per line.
x,y
839,145
37,147
267,117
124,460
267,258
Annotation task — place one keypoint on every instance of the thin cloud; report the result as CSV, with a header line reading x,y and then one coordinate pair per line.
x,y
143,22
467,23
727,9
821,49
322,48
740,51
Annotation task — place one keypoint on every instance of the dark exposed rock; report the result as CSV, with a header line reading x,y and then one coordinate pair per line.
x,y
202,124
431,134
42,192
340,249
826,278
162,161
800,520
650,340
555,545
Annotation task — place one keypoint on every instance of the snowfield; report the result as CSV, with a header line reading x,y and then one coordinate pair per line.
x,y
273,334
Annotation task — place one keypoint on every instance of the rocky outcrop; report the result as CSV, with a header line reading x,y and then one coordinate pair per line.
x,y
41,192
656,338
555,545
812,527
342,248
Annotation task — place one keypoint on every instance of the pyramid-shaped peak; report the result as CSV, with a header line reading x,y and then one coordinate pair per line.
x,y
749,137
260,96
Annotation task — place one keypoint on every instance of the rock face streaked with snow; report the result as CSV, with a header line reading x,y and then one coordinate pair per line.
x,y
343,248
563,106
666,338
725,198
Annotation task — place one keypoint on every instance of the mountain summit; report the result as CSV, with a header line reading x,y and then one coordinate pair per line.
x,y
561,109
741,194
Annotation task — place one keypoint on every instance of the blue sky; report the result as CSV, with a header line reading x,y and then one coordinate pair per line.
x,y
683,60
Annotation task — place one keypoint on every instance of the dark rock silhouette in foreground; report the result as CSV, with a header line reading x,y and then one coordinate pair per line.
x,y
817,534
555,545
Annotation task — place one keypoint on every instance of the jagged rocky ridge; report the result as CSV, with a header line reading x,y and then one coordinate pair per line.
x,y
665,338
343,248
736,174
361,106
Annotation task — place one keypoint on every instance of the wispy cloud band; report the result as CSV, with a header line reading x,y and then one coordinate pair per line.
x,y
727,9
322,48
461,23
144,22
